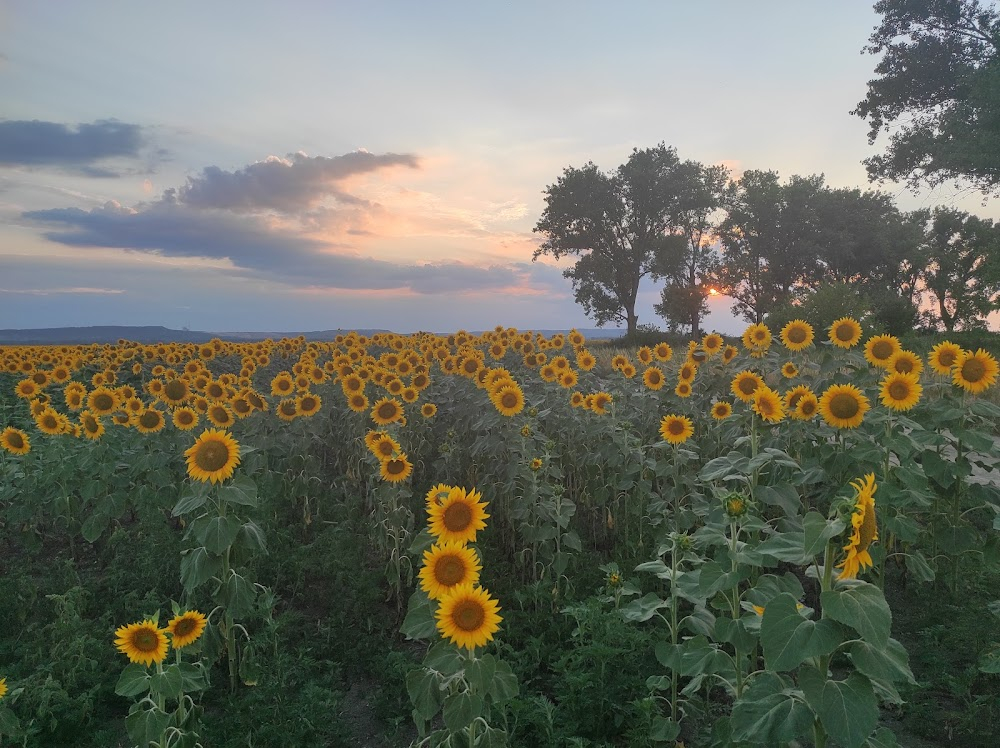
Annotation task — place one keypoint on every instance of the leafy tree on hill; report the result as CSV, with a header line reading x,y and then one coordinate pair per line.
x,y
937,96
622,227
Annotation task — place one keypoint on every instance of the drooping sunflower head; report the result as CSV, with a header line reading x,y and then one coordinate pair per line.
x,y
459,517
879,350
144,643
900,391
745,384
721,410
843,406
676,429
287,409
447,565
863,528
943,357
797,335
186,628
975,372
845,332
213,457
468,616
767,404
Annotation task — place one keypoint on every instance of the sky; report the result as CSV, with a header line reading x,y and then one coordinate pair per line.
x,y
234,166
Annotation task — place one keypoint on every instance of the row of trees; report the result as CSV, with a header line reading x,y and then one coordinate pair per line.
x,y
763,242
768,243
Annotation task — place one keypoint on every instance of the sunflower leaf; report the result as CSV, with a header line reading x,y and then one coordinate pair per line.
x,y
218,534
460,710
861,606
818,530
197,567
242,490
889,663
134,680
191,501
848,708
425,693
769,713
789,639
169,682
146,726
504,685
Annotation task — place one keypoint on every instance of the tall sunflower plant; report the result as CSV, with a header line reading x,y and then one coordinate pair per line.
x,y
224,540
457,678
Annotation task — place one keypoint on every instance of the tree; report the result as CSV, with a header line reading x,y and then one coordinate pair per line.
x,y
961,252
938,97
769,241
682,299
619,224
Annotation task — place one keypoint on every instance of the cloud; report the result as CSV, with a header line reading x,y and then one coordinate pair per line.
x,y
257,249
59,291
38,143
289,185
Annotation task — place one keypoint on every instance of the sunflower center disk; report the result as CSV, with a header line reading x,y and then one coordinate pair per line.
x,y
844,406
449,571
175,390
509,400
15,441
395,467
899,391
149,419
103,402
145,640
184,627
845,332
797,335
881,351
973,370
457,517
212,456
676,428
868,529
469,615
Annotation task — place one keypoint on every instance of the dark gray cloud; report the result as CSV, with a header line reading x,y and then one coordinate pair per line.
x,y
38,143
257,250
290,185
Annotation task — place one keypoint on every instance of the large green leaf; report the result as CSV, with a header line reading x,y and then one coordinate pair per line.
x,y
818,530
789,639
504,685
133,681
786,546
861,606
847,709
419,622
241,490
197,567
460,709
146,723
888,663
425,693
644,608
237,595
769,713
218,534
169,682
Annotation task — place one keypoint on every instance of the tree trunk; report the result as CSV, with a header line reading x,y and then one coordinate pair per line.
x,y
632,320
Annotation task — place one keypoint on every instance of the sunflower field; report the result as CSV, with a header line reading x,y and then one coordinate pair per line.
x,y
789,539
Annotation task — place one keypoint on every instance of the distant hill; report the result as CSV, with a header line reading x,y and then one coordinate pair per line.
x,y
157,334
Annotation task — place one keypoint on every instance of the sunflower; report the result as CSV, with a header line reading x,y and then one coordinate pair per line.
x,y
437,494
757,337
843,406
712,343
721,410
687,371
384,447
663,352
645,355
745,384
864,530
144,643
879,350
282,384
175,392
653,378
51,422
91,425
3,687
468,616
150,421
900,391
975,372
683,389
509,400
308,404
220,415
845,332
396,469
213,457
186,628
792,396
102,401
729,353
585,360
599,402
789,370
767,404
387,410
906,362
15,441
797,335
447,565
576,399
806,407
428,410
185,418
27,389
943,356
676,429
458,517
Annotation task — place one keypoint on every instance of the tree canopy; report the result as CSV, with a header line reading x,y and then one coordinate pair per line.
x,y
937,96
